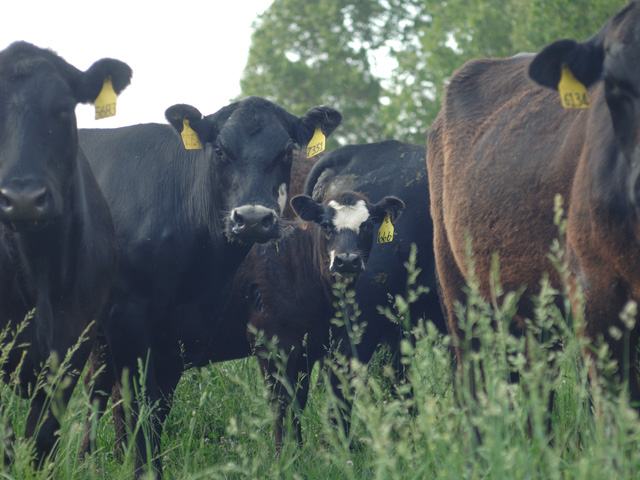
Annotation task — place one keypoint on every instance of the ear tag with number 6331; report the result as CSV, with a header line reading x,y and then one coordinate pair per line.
x,y
573,94
385,234
105,102
316,145
189,137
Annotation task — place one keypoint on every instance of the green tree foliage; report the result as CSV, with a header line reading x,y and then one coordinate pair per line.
x,y
331,51
311,53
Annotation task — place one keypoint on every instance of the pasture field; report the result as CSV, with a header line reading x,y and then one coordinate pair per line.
x,y
220,425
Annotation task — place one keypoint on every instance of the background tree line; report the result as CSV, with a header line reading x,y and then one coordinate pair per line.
x,y
384,63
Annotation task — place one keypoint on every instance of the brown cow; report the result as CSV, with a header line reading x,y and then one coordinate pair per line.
x,y
502,147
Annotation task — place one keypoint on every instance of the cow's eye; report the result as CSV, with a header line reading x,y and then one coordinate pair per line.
x,y
288,152
218,152
326,228
63,111
618,89
612,88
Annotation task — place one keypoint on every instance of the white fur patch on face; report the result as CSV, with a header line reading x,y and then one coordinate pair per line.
x,y
282,197
349,216
332,256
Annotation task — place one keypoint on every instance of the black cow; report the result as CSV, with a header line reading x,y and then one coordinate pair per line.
x,y
284,294
57,242
377,169
185,220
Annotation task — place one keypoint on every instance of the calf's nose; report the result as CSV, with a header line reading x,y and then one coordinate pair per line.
x,y
347,264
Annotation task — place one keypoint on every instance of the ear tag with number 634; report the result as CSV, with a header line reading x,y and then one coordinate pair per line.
x,y
573,94
189,137
105,102
316,145
385,234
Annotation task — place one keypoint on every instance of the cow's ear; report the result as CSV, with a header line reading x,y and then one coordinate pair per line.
x,y
391,206
307,208
323,117
177,114
585,60
87,89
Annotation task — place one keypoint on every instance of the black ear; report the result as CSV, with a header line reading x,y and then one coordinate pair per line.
x,y
392,206
326,118
91,81
176,115
585,60
307,209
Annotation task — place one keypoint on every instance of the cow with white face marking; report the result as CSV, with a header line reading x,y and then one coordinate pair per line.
x,y
346,225
284,291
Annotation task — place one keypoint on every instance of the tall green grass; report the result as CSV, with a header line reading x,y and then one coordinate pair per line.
x,y
221,421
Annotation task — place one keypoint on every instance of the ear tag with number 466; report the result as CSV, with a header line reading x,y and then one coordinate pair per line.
x,y
316,145
189,137
385,234
105,102
573,94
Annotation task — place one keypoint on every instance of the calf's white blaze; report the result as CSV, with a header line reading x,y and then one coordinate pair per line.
x,y
349,216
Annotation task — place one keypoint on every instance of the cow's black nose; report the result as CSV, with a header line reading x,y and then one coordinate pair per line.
x,y
254,223
347,264
24,202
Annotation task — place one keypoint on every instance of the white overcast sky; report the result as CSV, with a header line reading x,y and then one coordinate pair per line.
x,y
189,51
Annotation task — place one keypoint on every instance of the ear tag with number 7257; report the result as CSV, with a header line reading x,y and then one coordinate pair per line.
x,y
105,102
573,94
385,234
316,145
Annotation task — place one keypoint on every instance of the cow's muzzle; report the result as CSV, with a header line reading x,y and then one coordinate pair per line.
x,y
347,264
25,205
254,223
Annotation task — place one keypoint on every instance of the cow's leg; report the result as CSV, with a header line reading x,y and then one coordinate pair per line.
x,y
145,430
602,321
280,382
302,374
339,381
99,384
161,380
131,350
41,421
270,375
42,425
119,422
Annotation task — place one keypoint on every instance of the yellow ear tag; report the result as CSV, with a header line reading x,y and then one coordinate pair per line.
x,y
105,102
573,94
385,234
316,145
190,137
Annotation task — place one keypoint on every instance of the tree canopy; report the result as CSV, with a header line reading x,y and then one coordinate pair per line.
x,y
384,63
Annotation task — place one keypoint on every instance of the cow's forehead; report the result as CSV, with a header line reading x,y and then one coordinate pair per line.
x,y
348,217
625,27
254,138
